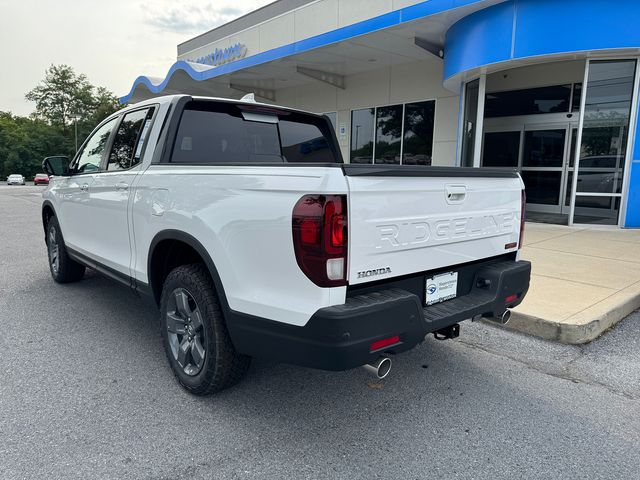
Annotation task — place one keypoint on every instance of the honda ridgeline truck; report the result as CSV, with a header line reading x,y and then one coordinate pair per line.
x,y
244,226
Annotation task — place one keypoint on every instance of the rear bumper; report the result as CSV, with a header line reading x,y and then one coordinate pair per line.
x,y
339,337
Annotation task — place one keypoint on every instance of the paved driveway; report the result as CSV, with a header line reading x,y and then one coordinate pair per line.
x,y
85,392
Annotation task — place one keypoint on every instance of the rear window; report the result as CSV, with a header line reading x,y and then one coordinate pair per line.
x,y
219,133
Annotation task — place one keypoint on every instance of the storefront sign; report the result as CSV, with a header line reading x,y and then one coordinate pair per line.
x,y
220,57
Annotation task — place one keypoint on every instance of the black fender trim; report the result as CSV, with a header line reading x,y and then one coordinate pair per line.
x,y
199,248
47,203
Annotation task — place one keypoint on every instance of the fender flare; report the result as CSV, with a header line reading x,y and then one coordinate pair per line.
x,y
45,204
200,250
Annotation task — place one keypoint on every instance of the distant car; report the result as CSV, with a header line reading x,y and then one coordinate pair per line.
x,y
15,179
41,179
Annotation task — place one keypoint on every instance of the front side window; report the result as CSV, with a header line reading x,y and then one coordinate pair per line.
x,y
91,156
129,140
211,133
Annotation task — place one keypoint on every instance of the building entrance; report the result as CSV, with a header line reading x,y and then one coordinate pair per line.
x,y
543,150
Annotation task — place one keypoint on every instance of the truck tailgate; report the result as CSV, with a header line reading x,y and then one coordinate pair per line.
x,y
404,220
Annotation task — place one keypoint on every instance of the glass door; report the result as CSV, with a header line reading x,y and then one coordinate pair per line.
x,y
603,140
544,153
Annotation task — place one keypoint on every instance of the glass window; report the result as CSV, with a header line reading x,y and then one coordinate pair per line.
x,y
91,156
544,148
362,135
418,133
528,102
304,142
542,187
388,134
217,133
129,140
472,90
501,149
605,130
577,97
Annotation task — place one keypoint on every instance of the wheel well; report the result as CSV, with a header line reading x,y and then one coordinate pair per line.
x,y
47,213
167,255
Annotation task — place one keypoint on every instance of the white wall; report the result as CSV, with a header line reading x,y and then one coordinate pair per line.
x,y
307,21
409,82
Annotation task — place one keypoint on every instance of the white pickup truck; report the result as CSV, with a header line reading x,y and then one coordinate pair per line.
x,y
254,239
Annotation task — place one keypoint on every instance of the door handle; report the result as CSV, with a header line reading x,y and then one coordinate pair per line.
x,y
122,186
455,193
84,187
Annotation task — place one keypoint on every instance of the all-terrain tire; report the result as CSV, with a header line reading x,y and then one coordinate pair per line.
x,y
222,366
62,267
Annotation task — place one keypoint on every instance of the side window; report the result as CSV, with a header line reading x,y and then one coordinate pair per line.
x,y
89,159
207,136
129,140
304,142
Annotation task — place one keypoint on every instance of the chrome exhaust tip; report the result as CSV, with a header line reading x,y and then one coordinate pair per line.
x,y
380,368
502,319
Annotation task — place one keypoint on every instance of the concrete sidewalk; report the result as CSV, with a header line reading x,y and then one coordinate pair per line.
x,y
584,281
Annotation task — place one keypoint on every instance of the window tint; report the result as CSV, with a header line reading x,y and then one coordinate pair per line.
x,y
218,133
544,148
362,135
89,160
388,134
395,129
222,137
418,133
577,97
527,102
129,140
501,149
304,142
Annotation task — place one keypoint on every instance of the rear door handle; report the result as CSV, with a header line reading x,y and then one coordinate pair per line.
x,y
122,186
84,187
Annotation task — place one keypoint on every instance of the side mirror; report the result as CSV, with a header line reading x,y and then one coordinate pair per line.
x,y
58,165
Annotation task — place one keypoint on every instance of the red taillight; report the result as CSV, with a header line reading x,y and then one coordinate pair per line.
x,y
523,202
319,226
387,342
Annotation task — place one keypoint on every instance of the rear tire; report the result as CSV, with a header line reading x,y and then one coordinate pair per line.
x,y
195,335
63,268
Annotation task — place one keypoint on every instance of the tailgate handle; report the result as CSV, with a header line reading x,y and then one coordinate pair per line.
x,y
455,193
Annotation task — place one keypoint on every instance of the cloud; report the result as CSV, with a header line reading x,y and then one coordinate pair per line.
x,y
194,18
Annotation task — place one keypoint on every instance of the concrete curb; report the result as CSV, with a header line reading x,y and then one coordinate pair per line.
x,y
584,326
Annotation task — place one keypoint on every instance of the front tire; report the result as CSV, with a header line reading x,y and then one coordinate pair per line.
x,y
63,269
195,335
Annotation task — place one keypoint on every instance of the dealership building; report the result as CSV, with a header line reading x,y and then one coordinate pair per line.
x,y
548,87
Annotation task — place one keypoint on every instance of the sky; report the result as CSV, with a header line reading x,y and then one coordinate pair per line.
x,y
112,42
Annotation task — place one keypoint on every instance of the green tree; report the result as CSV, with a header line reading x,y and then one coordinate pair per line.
x,y
61,96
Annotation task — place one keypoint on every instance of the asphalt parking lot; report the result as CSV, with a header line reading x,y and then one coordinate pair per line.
x,y
86,392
